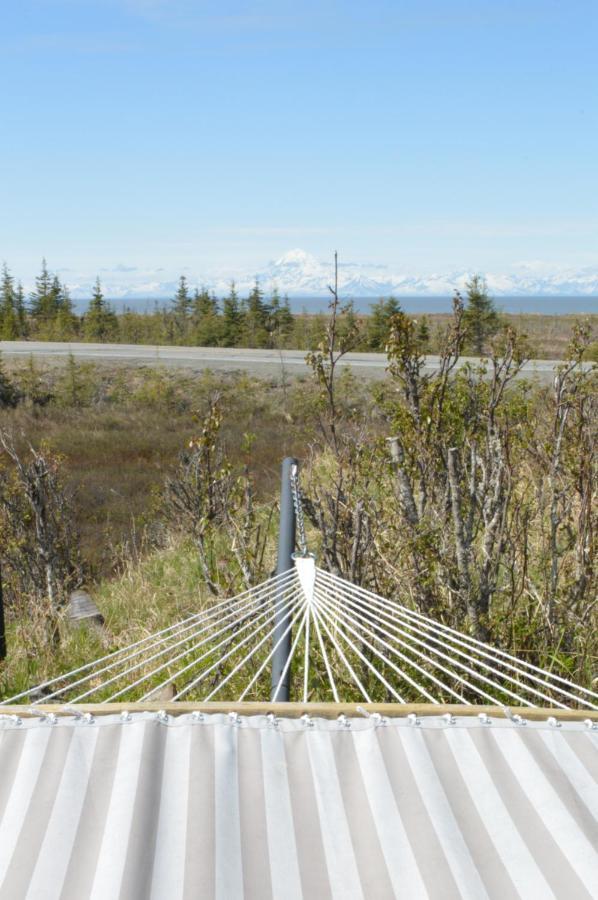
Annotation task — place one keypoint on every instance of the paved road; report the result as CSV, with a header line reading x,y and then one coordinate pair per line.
x,y
258,362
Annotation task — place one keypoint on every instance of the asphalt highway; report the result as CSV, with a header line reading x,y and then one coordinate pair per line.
x,y
271,363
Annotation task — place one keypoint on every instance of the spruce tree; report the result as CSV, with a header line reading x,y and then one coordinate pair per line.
x,y
207,326
181,308
256,318
272,319
56,295
481,316
9,326
232,319
423,333
100,322
378,324
21,311
286,320
65,324
43,300
348,326
203,305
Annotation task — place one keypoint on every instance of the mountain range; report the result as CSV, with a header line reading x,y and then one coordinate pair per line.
x,y
300,274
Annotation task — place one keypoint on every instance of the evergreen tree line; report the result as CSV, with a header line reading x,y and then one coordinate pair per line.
x,y
197,317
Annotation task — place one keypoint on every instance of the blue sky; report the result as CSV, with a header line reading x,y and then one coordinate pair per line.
x,y
191,134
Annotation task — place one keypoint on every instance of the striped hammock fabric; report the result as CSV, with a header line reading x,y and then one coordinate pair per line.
x,y
143,806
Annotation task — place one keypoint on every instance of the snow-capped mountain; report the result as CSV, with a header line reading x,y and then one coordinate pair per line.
x,y
300,274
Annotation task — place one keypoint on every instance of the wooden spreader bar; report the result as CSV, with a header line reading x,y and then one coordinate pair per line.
x,y
295,710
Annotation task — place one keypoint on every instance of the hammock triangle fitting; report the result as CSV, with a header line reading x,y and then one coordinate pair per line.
x,y
348,645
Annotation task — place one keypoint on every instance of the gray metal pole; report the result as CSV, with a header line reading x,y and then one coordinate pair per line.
x,y
286,548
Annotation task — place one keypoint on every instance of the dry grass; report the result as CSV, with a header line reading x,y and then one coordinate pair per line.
x,y
122,442
548,336
151,593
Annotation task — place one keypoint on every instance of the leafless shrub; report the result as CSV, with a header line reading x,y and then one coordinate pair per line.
x,y
215,502
483,511
39,549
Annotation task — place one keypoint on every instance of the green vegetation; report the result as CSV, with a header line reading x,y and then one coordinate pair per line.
x,y
198,318
99,322
480,316
479,510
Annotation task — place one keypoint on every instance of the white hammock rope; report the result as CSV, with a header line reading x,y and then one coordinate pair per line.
x,y
386,608
236,626
442,668
153,640
236,616
286,605
287,665
295,615
335,620
322,647
336,609
347,644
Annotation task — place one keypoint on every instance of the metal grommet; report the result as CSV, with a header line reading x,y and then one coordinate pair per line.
x,y
449,719
413,719
272,720
125,716
484,718
554,723
162,716
85,717
197,716
307,721
378,719
343,721
514,717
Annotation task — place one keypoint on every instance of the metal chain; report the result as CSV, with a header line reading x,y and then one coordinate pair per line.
x,y
298,504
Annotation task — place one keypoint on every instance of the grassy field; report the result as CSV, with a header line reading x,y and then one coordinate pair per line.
x,y
121,430
148,594
548,336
